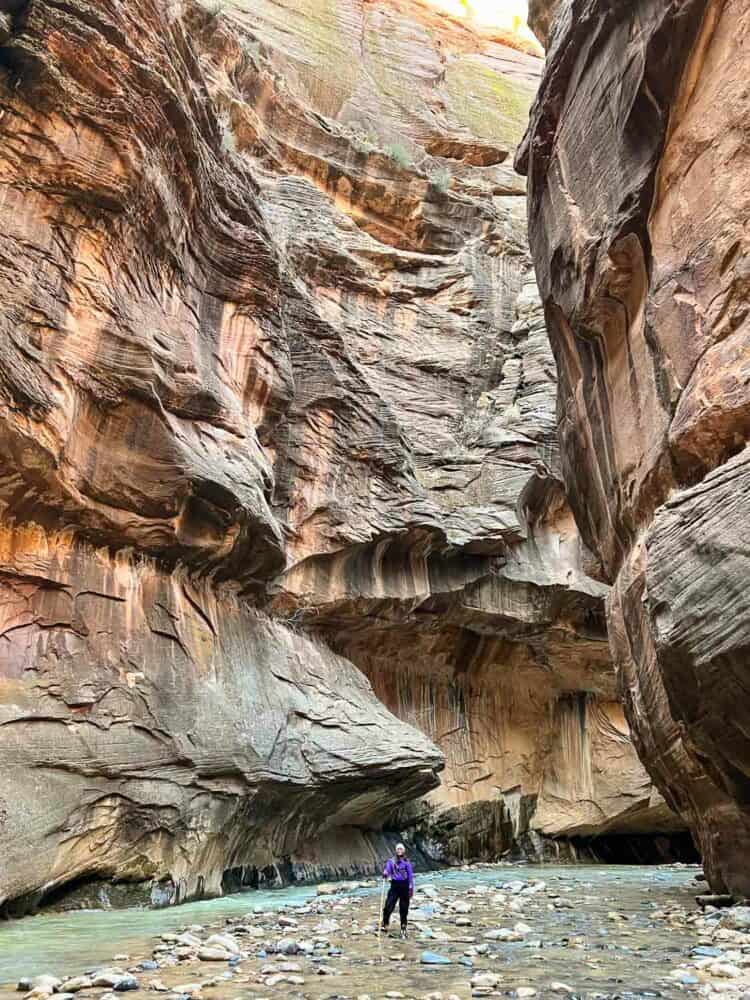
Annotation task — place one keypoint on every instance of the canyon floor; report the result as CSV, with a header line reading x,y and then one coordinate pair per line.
x,y
494,930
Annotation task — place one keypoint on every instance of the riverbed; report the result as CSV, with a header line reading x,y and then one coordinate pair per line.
x,y
586,931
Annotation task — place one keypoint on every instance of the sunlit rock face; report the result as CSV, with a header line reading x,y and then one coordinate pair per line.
x,y
638,209
277,403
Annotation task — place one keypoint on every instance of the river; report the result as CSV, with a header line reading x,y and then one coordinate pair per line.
x,y
593,928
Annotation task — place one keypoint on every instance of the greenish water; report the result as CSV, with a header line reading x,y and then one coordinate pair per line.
x,y
70,942
73,942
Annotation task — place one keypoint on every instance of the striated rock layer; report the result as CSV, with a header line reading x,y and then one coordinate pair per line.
x,y
277,402
638,211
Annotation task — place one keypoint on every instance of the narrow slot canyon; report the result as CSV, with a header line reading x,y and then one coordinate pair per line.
x,y
373,445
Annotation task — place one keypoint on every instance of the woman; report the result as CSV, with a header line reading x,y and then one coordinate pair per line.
x,y
401,874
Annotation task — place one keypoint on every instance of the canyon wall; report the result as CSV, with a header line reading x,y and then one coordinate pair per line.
x,y
637,158
277,407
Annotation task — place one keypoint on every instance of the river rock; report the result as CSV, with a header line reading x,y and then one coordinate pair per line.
x,y
77,983
206,954
287,946
736,919
433,958
189,940
225,941
485,979
125,984
724,970
42,983
107,977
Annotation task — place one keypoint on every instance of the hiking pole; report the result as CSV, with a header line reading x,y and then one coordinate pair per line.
x,y
380,917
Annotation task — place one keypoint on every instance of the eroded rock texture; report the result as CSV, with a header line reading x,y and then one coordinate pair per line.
x,y
638,206
277,402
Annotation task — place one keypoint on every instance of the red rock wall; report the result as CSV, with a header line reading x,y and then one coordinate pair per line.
x,y
273,379
636,157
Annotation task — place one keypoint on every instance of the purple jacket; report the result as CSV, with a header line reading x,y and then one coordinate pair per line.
x,y
399,870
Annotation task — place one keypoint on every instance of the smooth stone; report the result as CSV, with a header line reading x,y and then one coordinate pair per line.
x,y
46,982
213,955
125,984
107,977
189,940
736,919
76,983
485,979
725,970
225,941
287,946
432,958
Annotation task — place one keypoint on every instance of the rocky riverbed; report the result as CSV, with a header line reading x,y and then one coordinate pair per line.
x,y
495,930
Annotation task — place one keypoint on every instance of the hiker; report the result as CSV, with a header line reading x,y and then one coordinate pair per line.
x,y
401,874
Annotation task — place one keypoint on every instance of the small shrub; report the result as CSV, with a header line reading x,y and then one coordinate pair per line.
x,y
440,180
399,154
511,415
363,140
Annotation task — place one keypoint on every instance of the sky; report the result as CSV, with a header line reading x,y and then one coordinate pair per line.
x,y
498,13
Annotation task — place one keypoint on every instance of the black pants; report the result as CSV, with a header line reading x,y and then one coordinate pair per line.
x,y
399,891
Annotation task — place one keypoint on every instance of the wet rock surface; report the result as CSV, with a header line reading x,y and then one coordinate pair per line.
x,y
638,226
512,931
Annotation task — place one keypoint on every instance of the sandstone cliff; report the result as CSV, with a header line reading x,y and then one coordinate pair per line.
x,y
638,212
277,403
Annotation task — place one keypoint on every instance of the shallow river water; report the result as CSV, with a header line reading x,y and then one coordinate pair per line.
x,y
597,929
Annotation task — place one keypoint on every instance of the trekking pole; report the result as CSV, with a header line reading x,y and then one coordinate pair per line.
x,y
380,917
